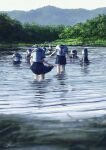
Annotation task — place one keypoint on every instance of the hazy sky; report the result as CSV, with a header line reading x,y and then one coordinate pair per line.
x,y
34,4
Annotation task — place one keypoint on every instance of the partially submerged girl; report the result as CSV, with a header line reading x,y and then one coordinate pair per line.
x,y
38,62
85,59
61,53
74,57
17,58
28,54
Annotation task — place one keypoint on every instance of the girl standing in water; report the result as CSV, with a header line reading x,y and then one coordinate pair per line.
x,y
85,56
28,54
37,64
61,52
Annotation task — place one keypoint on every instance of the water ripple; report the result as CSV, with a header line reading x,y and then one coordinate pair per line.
x,y
80,92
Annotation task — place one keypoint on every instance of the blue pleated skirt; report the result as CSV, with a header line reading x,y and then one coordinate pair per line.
x,y
40,68
61,60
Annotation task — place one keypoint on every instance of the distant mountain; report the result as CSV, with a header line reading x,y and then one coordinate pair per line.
x,y
50,15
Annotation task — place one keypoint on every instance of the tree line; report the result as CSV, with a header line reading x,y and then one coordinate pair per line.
x,y
13,31
91,30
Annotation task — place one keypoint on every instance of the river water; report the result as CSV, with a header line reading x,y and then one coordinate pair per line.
x,y
63,112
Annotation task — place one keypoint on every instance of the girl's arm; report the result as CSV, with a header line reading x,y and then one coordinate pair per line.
x,y
47,63
52,53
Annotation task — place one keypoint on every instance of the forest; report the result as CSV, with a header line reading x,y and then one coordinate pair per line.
x,y
13,31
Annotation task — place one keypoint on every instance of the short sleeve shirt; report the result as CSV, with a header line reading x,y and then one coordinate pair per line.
x,y
62,50
37,55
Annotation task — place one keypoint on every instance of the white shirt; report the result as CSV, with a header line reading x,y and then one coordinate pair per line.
x,y
62,50
37,55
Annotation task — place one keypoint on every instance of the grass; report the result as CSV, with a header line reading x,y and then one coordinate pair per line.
x,y
79,42
70,42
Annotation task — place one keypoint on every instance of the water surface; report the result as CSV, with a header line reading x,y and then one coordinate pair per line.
x,y
61,108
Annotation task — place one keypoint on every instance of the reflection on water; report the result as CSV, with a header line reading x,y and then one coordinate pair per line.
x,y
62,112
85,69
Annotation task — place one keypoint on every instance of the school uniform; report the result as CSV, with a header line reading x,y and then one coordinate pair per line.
x,y
73,54
85,56
62,50
17,58
37,66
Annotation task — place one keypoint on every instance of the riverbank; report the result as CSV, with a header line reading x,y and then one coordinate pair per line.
x,y
13,45
69,42
80,42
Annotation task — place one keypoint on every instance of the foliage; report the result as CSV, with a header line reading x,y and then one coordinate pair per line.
x,y
93,31
13,31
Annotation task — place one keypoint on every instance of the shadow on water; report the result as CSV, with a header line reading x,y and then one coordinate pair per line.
x,y
40,89
40,84
85,69
16,66
61,78
16,131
